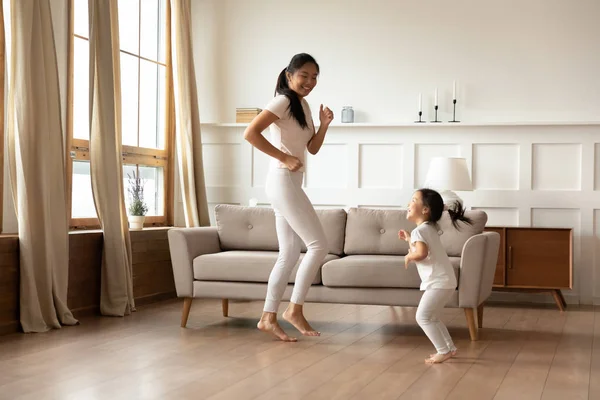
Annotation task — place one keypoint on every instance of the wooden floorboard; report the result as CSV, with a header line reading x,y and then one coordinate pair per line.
x,y
364,352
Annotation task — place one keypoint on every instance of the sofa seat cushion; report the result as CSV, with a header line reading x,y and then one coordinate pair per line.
x,y
372,271
244,266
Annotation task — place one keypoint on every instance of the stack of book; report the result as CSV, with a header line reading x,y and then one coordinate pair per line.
x,y
246,115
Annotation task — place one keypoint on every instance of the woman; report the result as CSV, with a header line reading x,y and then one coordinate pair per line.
x,y
292,133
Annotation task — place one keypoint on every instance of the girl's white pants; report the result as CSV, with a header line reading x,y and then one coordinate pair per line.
x,y
430,307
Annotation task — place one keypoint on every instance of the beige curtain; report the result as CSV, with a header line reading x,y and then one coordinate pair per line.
x,y
105,158
37,169
187,120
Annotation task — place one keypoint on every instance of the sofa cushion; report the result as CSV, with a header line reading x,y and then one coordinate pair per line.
x,y
253,228
454,239
374,271
372,231
243,266
246,228
333,222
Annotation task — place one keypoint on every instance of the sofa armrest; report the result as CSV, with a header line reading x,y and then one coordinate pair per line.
x,y
477,268
185,244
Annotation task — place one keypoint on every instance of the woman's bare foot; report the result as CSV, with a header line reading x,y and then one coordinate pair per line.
x,y
268,324
438,358
453,352
295,316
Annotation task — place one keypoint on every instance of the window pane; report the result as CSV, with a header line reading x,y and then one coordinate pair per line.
x,y
152,105
129,25
154,193
129,99
153,29
81,93
82,199
81,17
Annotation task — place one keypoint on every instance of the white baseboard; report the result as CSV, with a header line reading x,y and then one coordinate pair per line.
x,y
535,298
597,301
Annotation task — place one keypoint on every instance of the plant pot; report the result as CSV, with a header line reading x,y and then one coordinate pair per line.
x,y
136,222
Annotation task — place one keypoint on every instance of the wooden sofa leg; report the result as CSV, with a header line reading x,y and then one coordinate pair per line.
x,y
473,331
225,304
187,305
480,316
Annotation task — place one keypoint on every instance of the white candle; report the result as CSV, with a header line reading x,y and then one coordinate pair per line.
x,y
420,103
436,98
454,91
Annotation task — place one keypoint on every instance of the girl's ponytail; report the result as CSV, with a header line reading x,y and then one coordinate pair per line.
x,y
457,213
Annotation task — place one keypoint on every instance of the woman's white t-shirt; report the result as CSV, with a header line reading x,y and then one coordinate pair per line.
x,y
286,134
435,270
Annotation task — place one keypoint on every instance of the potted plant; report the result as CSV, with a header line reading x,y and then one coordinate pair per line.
x,y
137,205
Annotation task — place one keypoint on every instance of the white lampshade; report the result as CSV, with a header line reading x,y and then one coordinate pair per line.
x,y
447,173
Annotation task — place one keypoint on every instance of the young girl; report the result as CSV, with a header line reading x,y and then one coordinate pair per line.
x,y
436,272
292,133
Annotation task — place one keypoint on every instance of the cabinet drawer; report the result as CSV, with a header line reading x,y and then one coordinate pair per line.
x,y
538,258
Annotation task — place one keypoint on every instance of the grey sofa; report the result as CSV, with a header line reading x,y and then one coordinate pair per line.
x,y
365,264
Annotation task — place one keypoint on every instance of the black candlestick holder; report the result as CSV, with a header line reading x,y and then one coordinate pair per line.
x,y
454,111
420,116
436,110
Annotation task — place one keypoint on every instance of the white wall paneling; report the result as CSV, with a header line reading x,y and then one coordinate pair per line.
x,y
260,167
501,216
496,166
425,152
329,169
222,163
381,166
377,166
556,166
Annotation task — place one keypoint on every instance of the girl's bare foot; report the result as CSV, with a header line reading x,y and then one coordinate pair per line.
x,y
268,324
295,316
453,352
438,358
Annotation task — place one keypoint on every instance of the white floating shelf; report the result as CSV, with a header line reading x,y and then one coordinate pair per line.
x,y
429,124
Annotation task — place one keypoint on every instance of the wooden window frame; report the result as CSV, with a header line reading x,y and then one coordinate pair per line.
x,y
131,155
3,86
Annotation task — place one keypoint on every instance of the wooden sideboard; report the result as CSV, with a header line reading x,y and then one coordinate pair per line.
x,y
535,260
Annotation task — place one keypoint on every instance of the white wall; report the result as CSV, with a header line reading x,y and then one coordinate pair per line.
x,y
513,60
533,60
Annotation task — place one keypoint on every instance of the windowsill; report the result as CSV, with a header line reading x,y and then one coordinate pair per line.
x,y
88,231
146,229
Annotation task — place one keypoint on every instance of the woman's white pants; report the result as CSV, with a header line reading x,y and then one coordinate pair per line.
x,y
296,222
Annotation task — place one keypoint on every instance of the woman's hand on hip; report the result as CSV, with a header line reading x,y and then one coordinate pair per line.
x,y
292,163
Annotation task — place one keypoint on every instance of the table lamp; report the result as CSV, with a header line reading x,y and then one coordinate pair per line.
x,y
447,174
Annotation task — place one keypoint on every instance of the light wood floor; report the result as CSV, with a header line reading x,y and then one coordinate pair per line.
x,y
365,352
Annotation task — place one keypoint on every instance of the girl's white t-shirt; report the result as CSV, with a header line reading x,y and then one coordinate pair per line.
x,y
435,270
286,134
